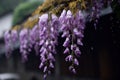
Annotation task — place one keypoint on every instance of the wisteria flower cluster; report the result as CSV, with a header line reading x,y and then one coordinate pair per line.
x,y
43,39
97,6
73,28
48,40
10,38
25,46
34,38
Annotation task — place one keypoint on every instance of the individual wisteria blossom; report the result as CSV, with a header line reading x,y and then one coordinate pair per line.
x,y
72,28
34,38
49,24
10,37
25,47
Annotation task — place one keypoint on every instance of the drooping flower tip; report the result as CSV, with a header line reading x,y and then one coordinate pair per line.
x,y
10,38
45,76
72,69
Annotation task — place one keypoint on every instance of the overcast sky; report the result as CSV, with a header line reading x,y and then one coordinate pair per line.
x,y
5,23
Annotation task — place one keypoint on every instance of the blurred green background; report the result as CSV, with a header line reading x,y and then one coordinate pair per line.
x,y
24,10
21,9
8,5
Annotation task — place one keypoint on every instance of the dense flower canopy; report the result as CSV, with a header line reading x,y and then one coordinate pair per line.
x,y
43,37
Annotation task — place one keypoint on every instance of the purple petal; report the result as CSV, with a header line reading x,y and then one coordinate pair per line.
x,y
65,34
41,65
77,52
54,17
69,58
43,19
73,47
74,71
45,76
62,16
76,32
66,50
69,14
42,49
63,27
76,61
41,42
70,68
46,43
51,65
79,42
49,47
66,43
50,56
45,69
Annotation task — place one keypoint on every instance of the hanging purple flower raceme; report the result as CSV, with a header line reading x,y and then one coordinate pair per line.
x,y
72,28
48,40
97,6
34,38
25,46
10,38
96,10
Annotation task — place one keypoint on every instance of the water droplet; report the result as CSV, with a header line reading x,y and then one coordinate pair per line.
x,y
92,48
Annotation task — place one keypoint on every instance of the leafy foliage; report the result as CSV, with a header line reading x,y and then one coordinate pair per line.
x,y
24,10
8,5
